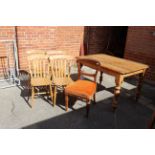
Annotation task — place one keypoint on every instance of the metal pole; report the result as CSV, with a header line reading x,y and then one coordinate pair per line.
x,y
16,51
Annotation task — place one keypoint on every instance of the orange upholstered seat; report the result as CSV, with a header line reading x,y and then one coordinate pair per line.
x,y
82,88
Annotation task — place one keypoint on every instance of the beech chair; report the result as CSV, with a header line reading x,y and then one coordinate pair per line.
x,y
83,89
39,75
60,73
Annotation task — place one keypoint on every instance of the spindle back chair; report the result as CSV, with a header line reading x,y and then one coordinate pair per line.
x,y
60,72
39,74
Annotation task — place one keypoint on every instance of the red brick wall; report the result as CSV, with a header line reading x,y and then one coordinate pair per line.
x,y
69,39
6,33
48,38
98,37
140,46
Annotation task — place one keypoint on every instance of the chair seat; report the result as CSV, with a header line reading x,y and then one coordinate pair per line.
x,y
81,88
62,81
40,81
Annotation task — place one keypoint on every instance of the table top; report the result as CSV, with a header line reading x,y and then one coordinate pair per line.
x,y
119,65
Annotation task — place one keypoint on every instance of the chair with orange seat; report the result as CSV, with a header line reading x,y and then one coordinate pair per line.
x,y
83,89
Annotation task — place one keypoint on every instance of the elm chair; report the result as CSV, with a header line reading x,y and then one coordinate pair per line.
x,y
60,73
83,89
39,75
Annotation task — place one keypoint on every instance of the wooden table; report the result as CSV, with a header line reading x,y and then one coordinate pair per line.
x,y
119,68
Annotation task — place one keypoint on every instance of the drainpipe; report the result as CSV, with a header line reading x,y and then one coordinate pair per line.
x,y
16,51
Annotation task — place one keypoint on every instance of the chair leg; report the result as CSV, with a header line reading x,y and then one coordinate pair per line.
x,y
94,97
51,93
55,95
87,108
29,94
32,97
66,101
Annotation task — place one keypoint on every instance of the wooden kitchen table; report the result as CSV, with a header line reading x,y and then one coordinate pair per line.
x,y
119,68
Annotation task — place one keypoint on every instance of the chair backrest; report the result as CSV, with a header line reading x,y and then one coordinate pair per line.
x,y
60,66
55,52
93,64
38,66
35,52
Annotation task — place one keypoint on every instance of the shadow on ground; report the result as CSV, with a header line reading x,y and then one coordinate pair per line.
x,y
129,114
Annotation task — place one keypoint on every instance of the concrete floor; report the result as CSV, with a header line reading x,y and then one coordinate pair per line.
x,y
15,111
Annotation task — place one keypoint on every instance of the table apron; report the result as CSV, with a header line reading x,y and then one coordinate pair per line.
x,y
135,73
116,74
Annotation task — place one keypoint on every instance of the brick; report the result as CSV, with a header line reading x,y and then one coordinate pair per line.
x,y
140,47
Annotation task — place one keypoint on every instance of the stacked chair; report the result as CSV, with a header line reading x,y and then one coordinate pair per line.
x,y
48,69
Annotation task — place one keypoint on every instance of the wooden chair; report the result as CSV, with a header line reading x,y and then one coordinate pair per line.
x,y
60,72
39,74
83,89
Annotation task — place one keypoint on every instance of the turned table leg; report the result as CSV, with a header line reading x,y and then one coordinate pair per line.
x,y
139,86
118,81
66,101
